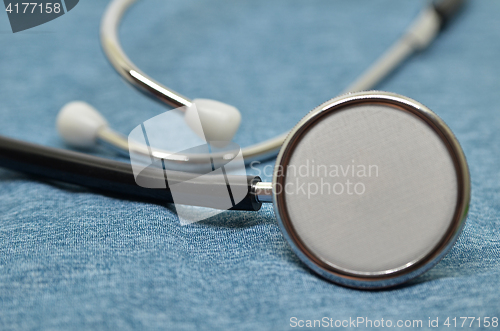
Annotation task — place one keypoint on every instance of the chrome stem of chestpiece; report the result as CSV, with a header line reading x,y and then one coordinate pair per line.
x,y
263,191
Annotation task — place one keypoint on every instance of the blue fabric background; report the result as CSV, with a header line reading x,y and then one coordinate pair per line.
x,y
72,259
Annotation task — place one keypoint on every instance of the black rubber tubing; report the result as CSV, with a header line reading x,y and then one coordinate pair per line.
x,y
112,176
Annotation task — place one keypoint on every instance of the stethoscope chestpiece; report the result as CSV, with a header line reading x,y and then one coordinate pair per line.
x,y
371,189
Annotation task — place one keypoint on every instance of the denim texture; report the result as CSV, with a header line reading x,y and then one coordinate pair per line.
x,y
74,259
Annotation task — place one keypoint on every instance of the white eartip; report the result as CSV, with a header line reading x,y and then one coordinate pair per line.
x,y
219,121
78,124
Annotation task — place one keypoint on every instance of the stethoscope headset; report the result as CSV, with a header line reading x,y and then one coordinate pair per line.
x,y
413,206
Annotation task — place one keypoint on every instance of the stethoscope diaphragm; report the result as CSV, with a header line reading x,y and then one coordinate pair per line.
x,y
371,189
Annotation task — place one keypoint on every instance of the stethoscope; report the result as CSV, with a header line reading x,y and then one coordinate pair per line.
x,y
400,210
